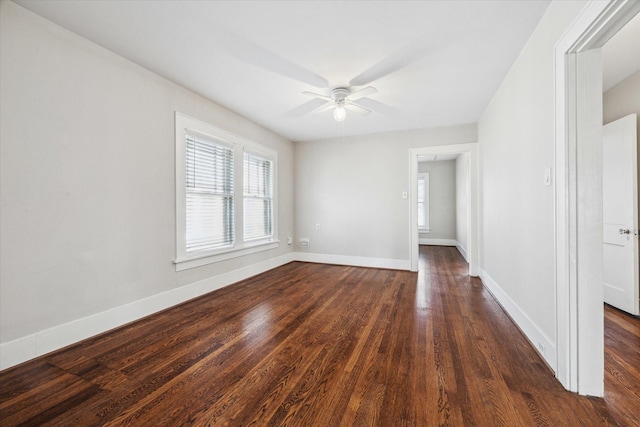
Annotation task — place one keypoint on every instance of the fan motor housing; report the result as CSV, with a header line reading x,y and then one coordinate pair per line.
x,y
339,93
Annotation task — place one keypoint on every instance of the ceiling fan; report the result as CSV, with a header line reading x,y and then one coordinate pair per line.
x,y
341,99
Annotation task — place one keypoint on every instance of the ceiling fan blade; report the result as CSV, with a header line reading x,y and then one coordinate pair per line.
x,y
304,109
325,107
357,108
369,90
252,53
317,95
383,109
410,54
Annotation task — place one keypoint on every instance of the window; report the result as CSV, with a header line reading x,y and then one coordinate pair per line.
x,y
209,194
258,198
423,202
212,167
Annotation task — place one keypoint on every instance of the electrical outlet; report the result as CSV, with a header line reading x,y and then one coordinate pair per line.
x,y
541,348
317,226
304,244
289,240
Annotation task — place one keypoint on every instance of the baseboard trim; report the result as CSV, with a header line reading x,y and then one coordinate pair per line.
x,y
462,251
437,242
535,336
392,264
31,346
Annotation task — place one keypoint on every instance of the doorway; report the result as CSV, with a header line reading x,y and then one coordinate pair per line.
x,y
621,120
471,152
578,114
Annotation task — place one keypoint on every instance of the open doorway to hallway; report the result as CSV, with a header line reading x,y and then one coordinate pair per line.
x,y
443,208
578,187
621,100
620,141
466,215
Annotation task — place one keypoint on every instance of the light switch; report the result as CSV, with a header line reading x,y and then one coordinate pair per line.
x,y
547,176
405,194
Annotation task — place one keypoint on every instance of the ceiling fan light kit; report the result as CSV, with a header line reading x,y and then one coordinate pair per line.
x,y
341,100
339,114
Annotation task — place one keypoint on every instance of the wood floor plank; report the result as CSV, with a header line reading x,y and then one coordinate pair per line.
x,y
324,345
194,380
622,366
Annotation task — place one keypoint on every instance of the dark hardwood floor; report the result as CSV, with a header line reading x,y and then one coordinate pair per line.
x,y
323,345
622,365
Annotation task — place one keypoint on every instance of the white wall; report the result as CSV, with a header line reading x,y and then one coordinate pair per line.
x,y
353,188
87,180
462,194
622,99
442,199
516,139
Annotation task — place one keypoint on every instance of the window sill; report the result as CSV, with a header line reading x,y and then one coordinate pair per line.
x,y
199,261
424,230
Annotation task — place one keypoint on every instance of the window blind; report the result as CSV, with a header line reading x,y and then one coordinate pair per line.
x,y
258,197
209,194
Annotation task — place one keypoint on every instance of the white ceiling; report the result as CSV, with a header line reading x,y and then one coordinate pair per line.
x,y
434,63
621,54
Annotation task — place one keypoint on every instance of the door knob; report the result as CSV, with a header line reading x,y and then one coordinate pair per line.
x,y
623,231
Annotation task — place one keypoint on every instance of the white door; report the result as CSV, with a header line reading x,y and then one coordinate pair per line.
x,y
620,214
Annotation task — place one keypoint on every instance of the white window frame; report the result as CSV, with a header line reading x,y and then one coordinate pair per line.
x,y
425,197
184,260
268,157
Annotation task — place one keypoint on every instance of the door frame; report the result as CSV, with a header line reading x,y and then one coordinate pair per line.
x,y
579,305
472,200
